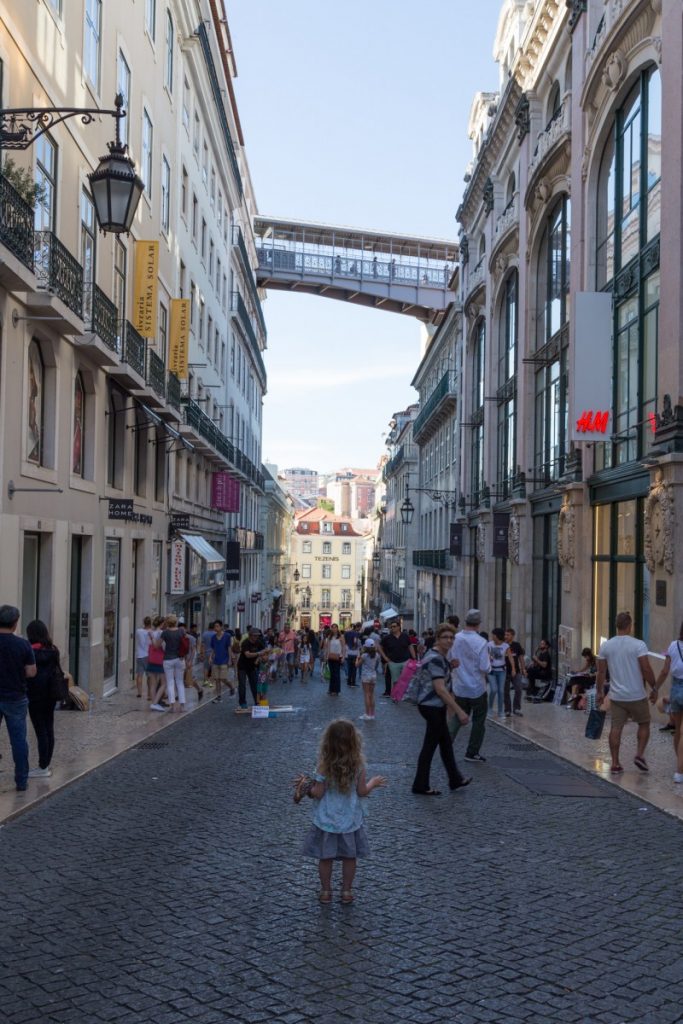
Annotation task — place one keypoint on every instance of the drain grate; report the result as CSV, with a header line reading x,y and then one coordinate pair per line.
x,y
151,746
527,747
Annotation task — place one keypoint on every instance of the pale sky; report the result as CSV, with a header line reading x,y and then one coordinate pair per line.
x,y
353,113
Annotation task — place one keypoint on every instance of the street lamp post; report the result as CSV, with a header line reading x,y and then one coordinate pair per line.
x,y
116,186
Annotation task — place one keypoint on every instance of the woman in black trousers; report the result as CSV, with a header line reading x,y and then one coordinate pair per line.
x,y
433,706
42,695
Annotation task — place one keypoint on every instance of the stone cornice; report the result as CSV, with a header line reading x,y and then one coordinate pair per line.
x,y
540,37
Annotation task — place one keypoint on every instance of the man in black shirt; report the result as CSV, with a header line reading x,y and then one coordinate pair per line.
x,y
396,650
247,665
17,664
540,669
514,674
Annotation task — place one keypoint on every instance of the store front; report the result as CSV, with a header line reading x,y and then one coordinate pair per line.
x,y
196,579
621,580
546,602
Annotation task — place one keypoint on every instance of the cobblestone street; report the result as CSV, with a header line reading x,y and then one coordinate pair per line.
x,y
168,886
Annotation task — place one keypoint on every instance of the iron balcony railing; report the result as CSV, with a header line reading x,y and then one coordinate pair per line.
x,y
238,306
238,241
431,559
444,390
134,349
220,105
16,223
58,272
104,318
206,428
156,374
173,391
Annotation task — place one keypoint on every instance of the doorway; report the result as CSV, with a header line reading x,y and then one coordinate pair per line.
x,y
112,570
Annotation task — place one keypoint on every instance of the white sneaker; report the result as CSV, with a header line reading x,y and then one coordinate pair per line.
x,y
42,773
157,707
678,776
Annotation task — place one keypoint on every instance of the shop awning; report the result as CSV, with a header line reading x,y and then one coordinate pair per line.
x,y
200,545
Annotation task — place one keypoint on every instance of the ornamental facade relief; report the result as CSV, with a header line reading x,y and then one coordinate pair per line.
x,y
513,538
566,535
659,525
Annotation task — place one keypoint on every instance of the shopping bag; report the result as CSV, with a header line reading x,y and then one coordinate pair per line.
x,y
401,684
326,673
595,724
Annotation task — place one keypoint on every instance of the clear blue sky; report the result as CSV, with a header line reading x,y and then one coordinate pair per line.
x,y
353,113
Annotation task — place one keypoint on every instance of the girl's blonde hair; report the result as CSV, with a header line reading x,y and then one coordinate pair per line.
x,y
341,755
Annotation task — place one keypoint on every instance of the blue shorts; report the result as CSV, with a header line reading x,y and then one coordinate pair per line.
x,y
676,697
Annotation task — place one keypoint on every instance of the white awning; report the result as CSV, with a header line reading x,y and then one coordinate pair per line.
x,y
200,545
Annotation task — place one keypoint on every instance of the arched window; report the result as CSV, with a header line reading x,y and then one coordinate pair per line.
x,y
507,384
477,414
35,397
552,278
78,429
554,104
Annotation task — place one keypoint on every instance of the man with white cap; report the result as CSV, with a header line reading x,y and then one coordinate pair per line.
x,y
470,654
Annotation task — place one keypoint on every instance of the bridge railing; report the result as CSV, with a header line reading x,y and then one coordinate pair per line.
x,y
280,258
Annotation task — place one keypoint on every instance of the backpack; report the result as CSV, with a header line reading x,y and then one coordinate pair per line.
x,y
420,686
183,646
59,687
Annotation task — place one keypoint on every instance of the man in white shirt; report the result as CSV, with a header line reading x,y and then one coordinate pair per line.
x,y
469,657
629,670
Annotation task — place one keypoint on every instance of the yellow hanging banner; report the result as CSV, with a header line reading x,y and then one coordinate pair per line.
x,y
145,296
179,345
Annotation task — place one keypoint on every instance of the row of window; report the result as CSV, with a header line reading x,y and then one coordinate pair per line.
x,y
92,48
326,571
307,547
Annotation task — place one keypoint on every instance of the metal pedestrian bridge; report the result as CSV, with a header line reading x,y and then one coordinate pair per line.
x,y
398,273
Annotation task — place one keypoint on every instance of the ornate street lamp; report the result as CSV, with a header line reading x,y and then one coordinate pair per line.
x,y
296,575
116,187
376,559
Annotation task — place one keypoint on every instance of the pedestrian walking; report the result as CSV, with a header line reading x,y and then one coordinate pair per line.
x,y
334,652
397,650
625,657
368,665
156,680
470,653
434,709
194,674
247,666
305,658
220,659
142,642
287,641
515,672
673,663
174,661
497,649
42,691
207,637
337,786
17,665
353,649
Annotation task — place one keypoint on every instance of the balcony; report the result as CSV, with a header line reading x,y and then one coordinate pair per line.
x,y
59,276
156,375
16,234
173,391
211,439
438,407
241,315
131,369
241,246
556,132
508,219
432,559
220,107
476,276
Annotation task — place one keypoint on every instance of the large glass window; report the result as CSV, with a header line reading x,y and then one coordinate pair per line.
x,y
88,252
552,306
93,41
123,87
620,577
46,180
151,17
165,194
507,386
147,145
170,42
477,413
627,257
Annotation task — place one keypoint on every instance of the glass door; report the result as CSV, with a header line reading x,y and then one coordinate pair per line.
x,y
112,568
75,606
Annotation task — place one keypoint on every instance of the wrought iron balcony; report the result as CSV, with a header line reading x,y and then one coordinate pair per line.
x,y
16,223
103,318
241,245
240,312
220,106
476,276
134,348
431,559
438,406
173,391
156,374
58,272
558,128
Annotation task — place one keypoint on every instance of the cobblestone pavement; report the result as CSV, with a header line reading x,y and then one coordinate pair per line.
x,y
168,886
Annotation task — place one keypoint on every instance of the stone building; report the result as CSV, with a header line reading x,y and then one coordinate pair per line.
x,y
568,356
116,474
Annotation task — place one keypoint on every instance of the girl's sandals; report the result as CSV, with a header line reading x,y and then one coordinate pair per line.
x,y
325,896
346,896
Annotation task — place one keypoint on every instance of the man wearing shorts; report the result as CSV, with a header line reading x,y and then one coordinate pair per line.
x,y
207,637
220,659
288,642
629,670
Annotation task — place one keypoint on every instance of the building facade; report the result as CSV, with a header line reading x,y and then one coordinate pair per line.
x,y
397,541
116,473
302,483
330,554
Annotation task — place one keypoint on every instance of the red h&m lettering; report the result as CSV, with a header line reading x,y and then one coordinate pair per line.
x,y
593,422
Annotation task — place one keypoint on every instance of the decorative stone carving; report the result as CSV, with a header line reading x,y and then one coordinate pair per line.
x,y
502,261
472,312
464,249
513,539
659,525
666,416
576,9
481,542
522,117
614,70
585,161
657,43
542,191
566,535
487,196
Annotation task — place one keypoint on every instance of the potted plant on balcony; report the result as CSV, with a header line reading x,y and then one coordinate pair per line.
x,y
20,178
